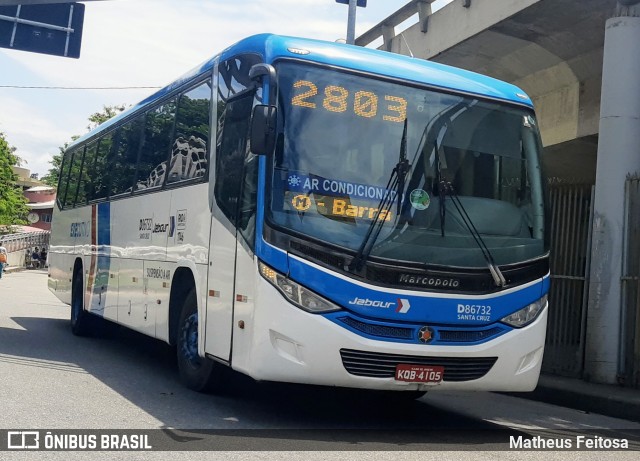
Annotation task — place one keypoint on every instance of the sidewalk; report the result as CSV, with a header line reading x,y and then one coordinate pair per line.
x,y
604,399
10,269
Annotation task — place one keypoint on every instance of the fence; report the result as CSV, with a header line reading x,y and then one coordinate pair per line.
x,y
19,246
571,217
630,353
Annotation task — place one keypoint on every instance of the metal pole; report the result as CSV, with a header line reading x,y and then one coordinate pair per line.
x,y
351,22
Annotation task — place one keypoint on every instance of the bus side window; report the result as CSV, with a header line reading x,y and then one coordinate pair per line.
x,y
232,150
63,185
74,176
99,169
125,157
190,148
248,199
85,188
152,167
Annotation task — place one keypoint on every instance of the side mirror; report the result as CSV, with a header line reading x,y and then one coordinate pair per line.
x,y
263,129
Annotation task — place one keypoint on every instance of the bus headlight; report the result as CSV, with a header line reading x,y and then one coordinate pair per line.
x,y
526,315
296,293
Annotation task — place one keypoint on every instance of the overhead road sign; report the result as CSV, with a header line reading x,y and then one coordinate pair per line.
x,y
38,2
362,3
54,29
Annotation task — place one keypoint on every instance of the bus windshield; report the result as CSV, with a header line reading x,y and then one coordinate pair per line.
x,y
419,162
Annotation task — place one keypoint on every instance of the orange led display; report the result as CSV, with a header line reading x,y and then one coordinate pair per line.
x,y
338,99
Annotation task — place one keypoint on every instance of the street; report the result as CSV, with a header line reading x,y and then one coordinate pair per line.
x,y
51,379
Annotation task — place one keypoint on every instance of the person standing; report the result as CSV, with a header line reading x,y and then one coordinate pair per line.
x,y
35,258
3,258
43,257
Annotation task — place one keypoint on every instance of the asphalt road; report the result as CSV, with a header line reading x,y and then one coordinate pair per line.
x,y
50,379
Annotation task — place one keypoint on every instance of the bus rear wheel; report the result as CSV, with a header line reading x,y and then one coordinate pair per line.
x,y
80,319
200,374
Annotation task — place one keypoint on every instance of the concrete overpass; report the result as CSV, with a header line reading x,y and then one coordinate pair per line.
x,y
579,60
552,49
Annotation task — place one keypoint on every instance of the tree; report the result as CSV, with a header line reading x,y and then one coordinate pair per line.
x,y
13,208
95,119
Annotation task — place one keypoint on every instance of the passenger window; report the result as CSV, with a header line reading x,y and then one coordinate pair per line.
x,y
63,183
125,157
74,176
152,167
98,169
85,189
189,151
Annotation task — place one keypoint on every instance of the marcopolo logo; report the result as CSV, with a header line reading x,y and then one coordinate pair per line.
x,y
402,306
425,281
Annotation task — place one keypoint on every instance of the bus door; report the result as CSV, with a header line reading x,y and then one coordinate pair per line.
x,y
235,94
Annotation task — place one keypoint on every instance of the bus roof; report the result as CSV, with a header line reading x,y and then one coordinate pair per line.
x,y
375,62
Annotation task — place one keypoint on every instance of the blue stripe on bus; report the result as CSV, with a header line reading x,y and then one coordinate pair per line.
x,y
447,309
408,333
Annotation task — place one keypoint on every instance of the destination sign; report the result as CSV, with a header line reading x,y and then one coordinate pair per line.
x,y
338,99
335,207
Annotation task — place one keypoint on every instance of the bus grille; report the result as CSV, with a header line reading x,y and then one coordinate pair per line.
x,y
377,365
379,330
468,336
443,335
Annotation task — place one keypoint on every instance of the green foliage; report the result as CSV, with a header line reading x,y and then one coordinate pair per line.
x,y
13,209
97,118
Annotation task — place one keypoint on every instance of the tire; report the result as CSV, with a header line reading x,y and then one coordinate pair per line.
x,y
80,319
196,373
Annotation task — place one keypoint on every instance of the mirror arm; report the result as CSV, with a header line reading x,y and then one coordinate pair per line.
x,y
261,70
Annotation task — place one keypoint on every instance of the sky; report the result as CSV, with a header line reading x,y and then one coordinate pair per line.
x,y
146,43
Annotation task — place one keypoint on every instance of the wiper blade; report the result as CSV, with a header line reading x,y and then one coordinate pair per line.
x,y
442,192
497,275
395,183
402,167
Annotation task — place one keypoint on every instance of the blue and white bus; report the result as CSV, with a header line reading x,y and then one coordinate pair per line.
x,y
313,212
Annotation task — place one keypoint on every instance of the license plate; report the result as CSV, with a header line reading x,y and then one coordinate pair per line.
x,y
419,373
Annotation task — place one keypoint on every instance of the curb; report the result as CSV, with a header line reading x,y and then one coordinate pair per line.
x,y
604,399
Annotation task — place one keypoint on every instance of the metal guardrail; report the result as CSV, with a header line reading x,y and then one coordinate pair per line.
x,y
571,213
25,240
630,280
386,28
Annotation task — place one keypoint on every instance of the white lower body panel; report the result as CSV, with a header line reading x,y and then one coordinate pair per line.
x,y
281,342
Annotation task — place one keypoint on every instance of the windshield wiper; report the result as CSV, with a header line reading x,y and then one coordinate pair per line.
x,y
395,183
442,193
449,190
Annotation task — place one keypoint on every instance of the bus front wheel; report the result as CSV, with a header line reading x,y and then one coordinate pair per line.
x,y
197,373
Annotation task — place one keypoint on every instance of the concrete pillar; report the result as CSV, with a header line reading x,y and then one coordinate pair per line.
x,y
618,156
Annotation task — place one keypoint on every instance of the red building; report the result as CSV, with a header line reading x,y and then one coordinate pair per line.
x,y
41,199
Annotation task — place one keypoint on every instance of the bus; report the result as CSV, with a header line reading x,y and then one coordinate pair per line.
x,y
312,212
